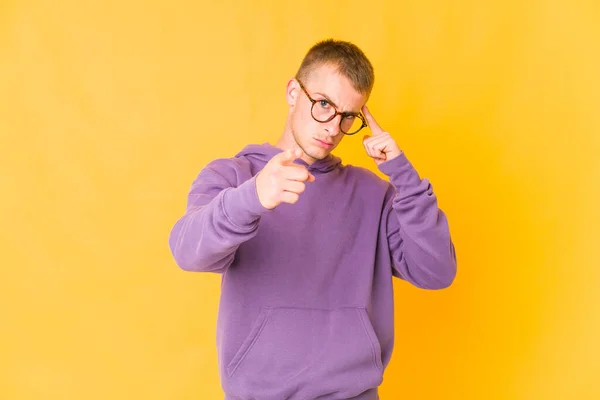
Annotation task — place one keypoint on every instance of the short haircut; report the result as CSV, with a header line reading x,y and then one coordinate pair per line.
x,y
349,60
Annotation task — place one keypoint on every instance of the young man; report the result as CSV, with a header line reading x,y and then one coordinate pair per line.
x,y
307,246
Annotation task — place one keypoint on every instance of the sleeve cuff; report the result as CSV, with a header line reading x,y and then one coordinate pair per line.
x,y
400,171
242,205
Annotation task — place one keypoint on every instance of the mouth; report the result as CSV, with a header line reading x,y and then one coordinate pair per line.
x,y
323,144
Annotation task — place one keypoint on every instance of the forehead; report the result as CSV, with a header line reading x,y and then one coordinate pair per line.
x,y
327,81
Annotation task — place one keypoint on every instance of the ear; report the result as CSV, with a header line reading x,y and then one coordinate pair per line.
x,y
291,92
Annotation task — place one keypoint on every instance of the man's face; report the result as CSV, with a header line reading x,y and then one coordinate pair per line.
x,y
326,86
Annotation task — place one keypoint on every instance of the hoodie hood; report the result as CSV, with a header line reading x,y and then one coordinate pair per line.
x,y
265,151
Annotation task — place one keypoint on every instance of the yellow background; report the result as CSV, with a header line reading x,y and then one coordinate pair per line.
x,y
109,109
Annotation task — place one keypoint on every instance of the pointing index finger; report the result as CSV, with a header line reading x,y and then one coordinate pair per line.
x,y
375,128
289,155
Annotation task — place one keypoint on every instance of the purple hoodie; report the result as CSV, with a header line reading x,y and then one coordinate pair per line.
x,y
307,308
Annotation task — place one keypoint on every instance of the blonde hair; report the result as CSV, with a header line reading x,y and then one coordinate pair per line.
x,y
349,60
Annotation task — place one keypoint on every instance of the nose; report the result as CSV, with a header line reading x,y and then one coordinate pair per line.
x,y
333,126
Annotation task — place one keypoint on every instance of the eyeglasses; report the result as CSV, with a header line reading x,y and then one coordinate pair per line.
x,y
323,111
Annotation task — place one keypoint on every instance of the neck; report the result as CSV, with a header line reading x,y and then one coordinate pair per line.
x,y
286,141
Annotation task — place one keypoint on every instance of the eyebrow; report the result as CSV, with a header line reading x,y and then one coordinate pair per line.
x,y
335,105
327,98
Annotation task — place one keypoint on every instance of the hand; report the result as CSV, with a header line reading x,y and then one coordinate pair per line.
x,y
282,181
381,146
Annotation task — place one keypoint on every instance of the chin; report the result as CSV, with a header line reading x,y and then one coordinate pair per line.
x,y
312,150
319,154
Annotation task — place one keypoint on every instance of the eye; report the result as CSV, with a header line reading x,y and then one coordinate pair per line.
x,y
349,117
324,103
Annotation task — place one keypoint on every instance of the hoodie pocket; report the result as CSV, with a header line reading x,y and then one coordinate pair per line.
x,y
303,353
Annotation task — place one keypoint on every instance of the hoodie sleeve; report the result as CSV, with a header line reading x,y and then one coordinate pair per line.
x,y
220,215
418,234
